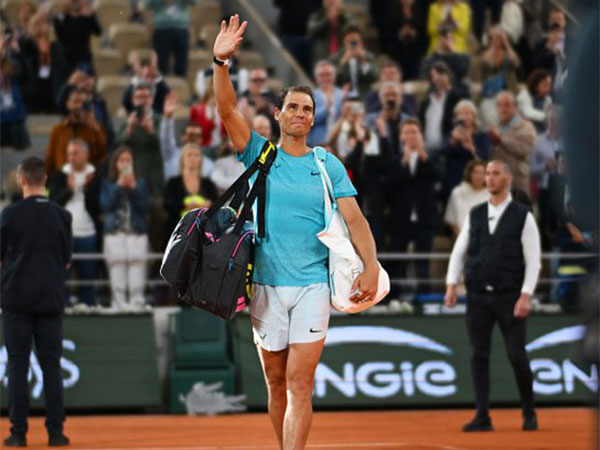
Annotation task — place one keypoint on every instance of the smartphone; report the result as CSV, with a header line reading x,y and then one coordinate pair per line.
x,y
139,111
127,170
460,123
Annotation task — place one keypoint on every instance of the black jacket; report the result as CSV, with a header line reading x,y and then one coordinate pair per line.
x,y
161,90
452,98
60,192
410,192
35,248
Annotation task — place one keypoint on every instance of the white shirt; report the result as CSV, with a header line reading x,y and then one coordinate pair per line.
x,y
530,240
433,121
83,225
226,170
462,199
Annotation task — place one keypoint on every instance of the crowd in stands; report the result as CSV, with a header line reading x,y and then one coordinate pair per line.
x,y
414,96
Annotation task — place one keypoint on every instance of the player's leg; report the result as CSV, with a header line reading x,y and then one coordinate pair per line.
x,y
301,365
274,367
309,320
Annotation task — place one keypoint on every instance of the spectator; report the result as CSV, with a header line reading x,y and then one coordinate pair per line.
x,y
513,141
227,168
550,53
79,123
192,134
293,30
511,20
328,103
204,114
466,143
259,96
27,10
452,16
458,63
354,64
124,201
46,66
325,28
84,79
499,64
548,148
480,8
238,76
390,96
364,165
352,116
140,136
262,125
411,178
188,190
390,71
470,192
74,29
13,132
75,187
171,21
145,71
534,101
437,109
401,28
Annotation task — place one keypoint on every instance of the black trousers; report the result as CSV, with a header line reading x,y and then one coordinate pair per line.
x,y
423,239
171,41
19,331
483,310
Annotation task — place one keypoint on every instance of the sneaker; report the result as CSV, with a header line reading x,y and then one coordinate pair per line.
x,y
479,423
530,422
59,440
15,441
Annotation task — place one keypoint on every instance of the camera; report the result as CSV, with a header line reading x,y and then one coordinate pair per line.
x,y
554,26
390,104
460,123
87,105
354,44
139,112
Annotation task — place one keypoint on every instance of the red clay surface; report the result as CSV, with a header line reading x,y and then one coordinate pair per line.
x,y
561,428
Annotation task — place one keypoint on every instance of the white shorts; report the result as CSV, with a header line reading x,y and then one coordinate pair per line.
x,y
283,315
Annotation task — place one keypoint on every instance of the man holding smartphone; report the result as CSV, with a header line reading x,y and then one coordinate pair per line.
x,y
354,64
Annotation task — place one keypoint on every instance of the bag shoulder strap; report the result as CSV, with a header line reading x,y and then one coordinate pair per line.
x,y
238,189
320,158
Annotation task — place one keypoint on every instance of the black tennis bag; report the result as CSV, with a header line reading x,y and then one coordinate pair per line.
x,y
210,256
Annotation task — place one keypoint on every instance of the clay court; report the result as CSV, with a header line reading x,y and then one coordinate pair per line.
x,y
560,429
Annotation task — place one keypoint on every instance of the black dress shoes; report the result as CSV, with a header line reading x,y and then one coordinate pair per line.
x,y
479,424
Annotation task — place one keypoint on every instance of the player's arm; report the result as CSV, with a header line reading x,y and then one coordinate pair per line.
x,y
228,40
365,284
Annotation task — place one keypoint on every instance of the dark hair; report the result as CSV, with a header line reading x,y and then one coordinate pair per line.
x,y
303,89
471,167
409,121
113,172
536,78
351,28
391,63
33,170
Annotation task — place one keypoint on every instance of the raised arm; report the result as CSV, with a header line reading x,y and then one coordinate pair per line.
x,y
228,40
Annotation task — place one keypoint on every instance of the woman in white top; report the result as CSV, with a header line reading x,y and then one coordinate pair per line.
x,y
534,101
470,192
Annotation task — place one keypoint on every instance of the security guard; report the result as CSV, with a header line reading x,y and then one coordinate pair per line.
x,y
35,250
501,243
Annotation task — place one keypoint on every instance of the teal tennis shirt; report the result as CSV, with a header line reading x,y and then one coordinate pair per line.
x,y
290,254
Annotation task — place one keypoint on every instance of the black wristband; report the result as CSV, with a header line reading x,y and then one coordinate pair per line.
x,y
218,62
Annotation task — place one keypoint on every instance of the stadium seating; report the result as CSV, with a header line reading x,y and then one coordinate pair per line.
x,y
205,13
180,86
10,9
208,34
112,88
140,54
251,59
112,11
107,61
197,60
128,36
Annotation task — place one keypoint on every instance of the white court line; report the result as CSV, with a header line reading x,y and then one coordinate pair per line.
x,y
367,445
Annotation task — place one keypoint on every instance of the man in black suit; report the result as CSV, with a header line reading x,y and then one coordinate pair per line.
x,y
35,250
414,214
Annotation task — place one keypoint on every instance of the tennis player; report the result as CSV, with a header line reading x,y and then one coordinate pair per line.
x,y
290,305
